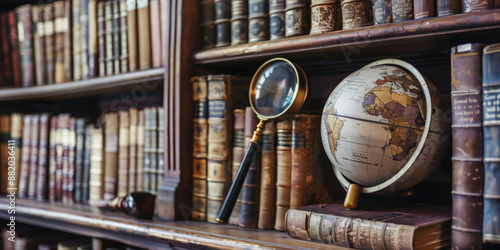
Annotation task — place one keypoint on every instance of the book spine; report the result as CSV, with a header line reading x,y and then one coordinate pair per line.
x,y
123,155
277,19
147,150
258,20
163,28
467,141
79,159
140,151
474,6
33,164
110,155
447,7
101,38
116,37
154,7
16,128
160,148
153,143
323,16
382,11
96,184
25,31
238,154
200,141
4,154
402,10
108,31
267,203
144,31
53,141
354,13
284,168
60,29
7,70
93,40
132,35
491,130
62,171
14,49
123,37
2,80
223,22
49,42
87,146
132,150
77,40
208,23
68,41
297,16
68,142
423,8
239,22
249,213
25,157
84,31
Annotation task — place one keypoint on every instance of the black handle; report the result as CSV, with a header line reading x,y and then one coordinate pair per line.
x,y
234,191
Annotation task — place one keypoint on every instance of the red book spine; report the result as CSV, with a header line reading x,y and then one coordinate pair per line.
x,y
4,47
16,74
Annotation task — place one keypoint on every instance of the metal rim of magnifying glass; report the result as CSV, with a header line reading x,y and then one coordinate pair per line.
x,y
418,150
299,96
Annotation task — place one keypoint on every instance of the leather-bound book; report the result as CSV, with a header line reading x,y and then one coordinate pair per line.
x,y
93,53
33,164
239,22
148,150
467,143
297,18
43,157
69,143
267,204
132,150
4,154
200,141
154,7
123,37
123,145
402,10
68,41
140,151
473,6
38,44
382,11
84,42
153,146
25,157
419,227
7,66
132,35
48,17
16,129
14,49
258,20
86,162
53,143
323,16
79,159
110,154
60,29
207,23
116,36
238,154
144,34
276,19
160,164
424,8
447,7
101,38
77,40
109,38
96,183
223,22
284,170
163,28
250,192
25,32
491,130
354,13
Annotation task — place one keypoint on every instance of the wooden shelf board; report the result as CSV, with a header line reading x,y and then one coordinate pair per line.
x,y
87,87
89,221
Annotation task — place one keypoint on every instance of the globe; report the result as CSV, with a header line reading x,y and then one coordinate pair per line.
x,y
382,127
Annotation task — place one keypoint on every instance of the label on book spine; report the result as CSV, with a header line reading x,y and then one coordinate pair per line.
x,y
491,107
131,5
20,31
142,3
49,28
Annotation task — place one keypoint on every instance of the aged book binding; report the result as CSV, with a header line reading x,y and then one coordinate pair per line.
x,y
238,154
473,6
14,49
132,150
123,37
132,35
297,18
79,158
7,66
423,8
96,184
25,157
491,130
223,22
60,29
123,154
267,203
258,20
68,42
109,38
144,38
423,226
84,31
33,165
62,151
239,22
110,155
323,16
4,154
77,40
87,147
284,168
92,41
140,151
447,7
25,32
160,147
48,17
467,142
43,156
69,143
402,10
354,13
116,37
156,58
53,141
150,145
101,38
38,44
276,19
208,23
382,11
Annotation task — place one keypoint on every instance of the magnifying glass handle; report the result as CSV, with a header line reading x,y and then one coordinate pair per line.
x,y
234,191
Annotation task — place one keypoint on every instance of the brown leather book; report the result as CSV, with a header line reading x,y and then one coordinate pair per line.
x,y
284,169
14,49
144,34
109,38
267,204
48,16
239,22
123,155
152,150
382,11
223,22
86,162
160,131
16,128
297,18
467,144
25,32
4,154
473,6
123,37
200,141
238,154
207,23
77,40
68,41
60,29
402,10
250,192
116,36
79,159
258,20
101,39
276,19
448,7
132,35
154,14
53,144
7,66
422,226
96,185
24,168
323,16
132,150
140,151
84,42
43,157
69,143
423,8
33,164
110,155
354,13
93,44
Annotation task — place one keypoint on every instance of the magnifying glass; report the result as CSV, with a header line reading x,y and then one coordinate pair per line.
x,y
278,87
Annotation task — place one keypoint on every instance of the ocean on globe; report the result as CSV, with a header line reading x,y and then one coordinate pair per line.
x,y
374,127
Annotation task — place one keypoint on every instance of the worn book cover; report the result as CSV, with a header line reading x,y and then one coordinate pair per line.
x,y
96,183
25,32
323,16
207,23
101,39
267,203
258,20
132,35
223,22
123,154
447,7
276,19
423,8
77,40
43,157
33,163
132,149
110,166
238,154
24,167
284,170
239,22
144,31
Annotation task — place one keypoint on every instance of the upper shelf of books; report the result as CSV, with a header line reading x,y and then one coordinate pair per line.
x,y
83,88
424,35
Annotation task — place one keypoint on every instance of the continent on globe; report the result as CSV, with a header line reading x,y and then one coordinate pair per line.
x,y
334,132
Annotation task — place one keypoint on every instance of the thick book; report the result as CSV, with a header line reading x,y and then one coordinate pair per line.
x,y
77,40
207,19
14,49
48,17
101,39
84,42
132,35
93,53
96,182
43,157
4,154
223,22
16,128
447,7
200,141
423,8
258,20
277,19
156,58
116,37
110,155
53,143
323,16
267,203
422,226
467,144
238,154
123,155
132,149
140,151
60,29
382,11
24,168
144,34
33,163
491,130
68,41
402,10
123,37
69,143
25,32
87,148
109,37
160,147
38,44
297,18
283,170
239,22
250,191
79,158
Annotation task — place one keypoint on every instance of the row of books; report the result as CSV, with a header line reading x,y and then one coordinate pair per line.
x,y
68,159
285,173
226,22
79,39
